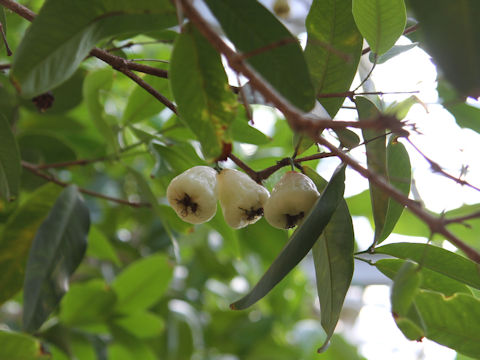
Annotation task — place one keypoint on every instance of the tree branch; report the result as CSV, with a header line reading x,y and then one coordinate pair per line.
x,y
299,122
34,170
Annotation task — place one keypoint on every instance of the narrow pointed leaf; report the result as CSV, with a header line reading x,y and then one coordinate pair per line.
x,y
381,22
376,160
18,346
279,60
394,51
301,241
451,321
458,60
17,236
399,172
333,259
431,280
437,259
10,167
57,250
333,50
200,87
142,283
97,83
64,32
243,132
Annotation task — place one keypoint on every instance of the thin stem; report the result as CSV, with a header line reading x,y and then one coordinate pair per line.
x,y
34,170
4,37
462,219
438,169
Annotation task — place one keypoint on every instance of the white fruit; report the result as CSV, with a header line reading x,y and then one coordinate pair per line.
x,y
292,199
241,198
193,194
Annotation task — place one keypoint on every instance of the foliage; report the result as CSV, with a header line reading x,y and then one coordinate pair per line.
x,y
104,269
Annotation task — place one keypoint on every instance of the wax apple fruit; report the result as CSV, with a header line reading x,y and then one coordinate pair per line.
x,y
291,200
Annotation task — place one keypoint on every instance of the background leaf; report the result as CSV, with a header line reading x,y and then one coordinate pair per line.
x,y
87,303
381,22
199,85
142,104
301,241
333,50
57,250
142,283
64,32
17,236
10,166
17,346
96,84
244,23
435,258
458,60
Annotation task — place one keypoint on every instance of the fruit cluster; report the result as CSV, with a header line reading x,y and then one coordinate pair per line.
x,y
194,194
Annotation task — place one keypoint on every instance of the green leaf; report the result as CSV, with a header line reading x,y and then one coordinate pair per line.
x,y
381,22
431,280
301,241
348,138
17,236
451,321
466,116
437,259
401,109
399,173
333,259
406,283
17,346
394,51
200,87
141,104
57,250
87,303
244,133
333,50
10,166
96,84
100,248
458,60
175,158
142,324
301,143
167,215
245,23
376,160
63,33
142,283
